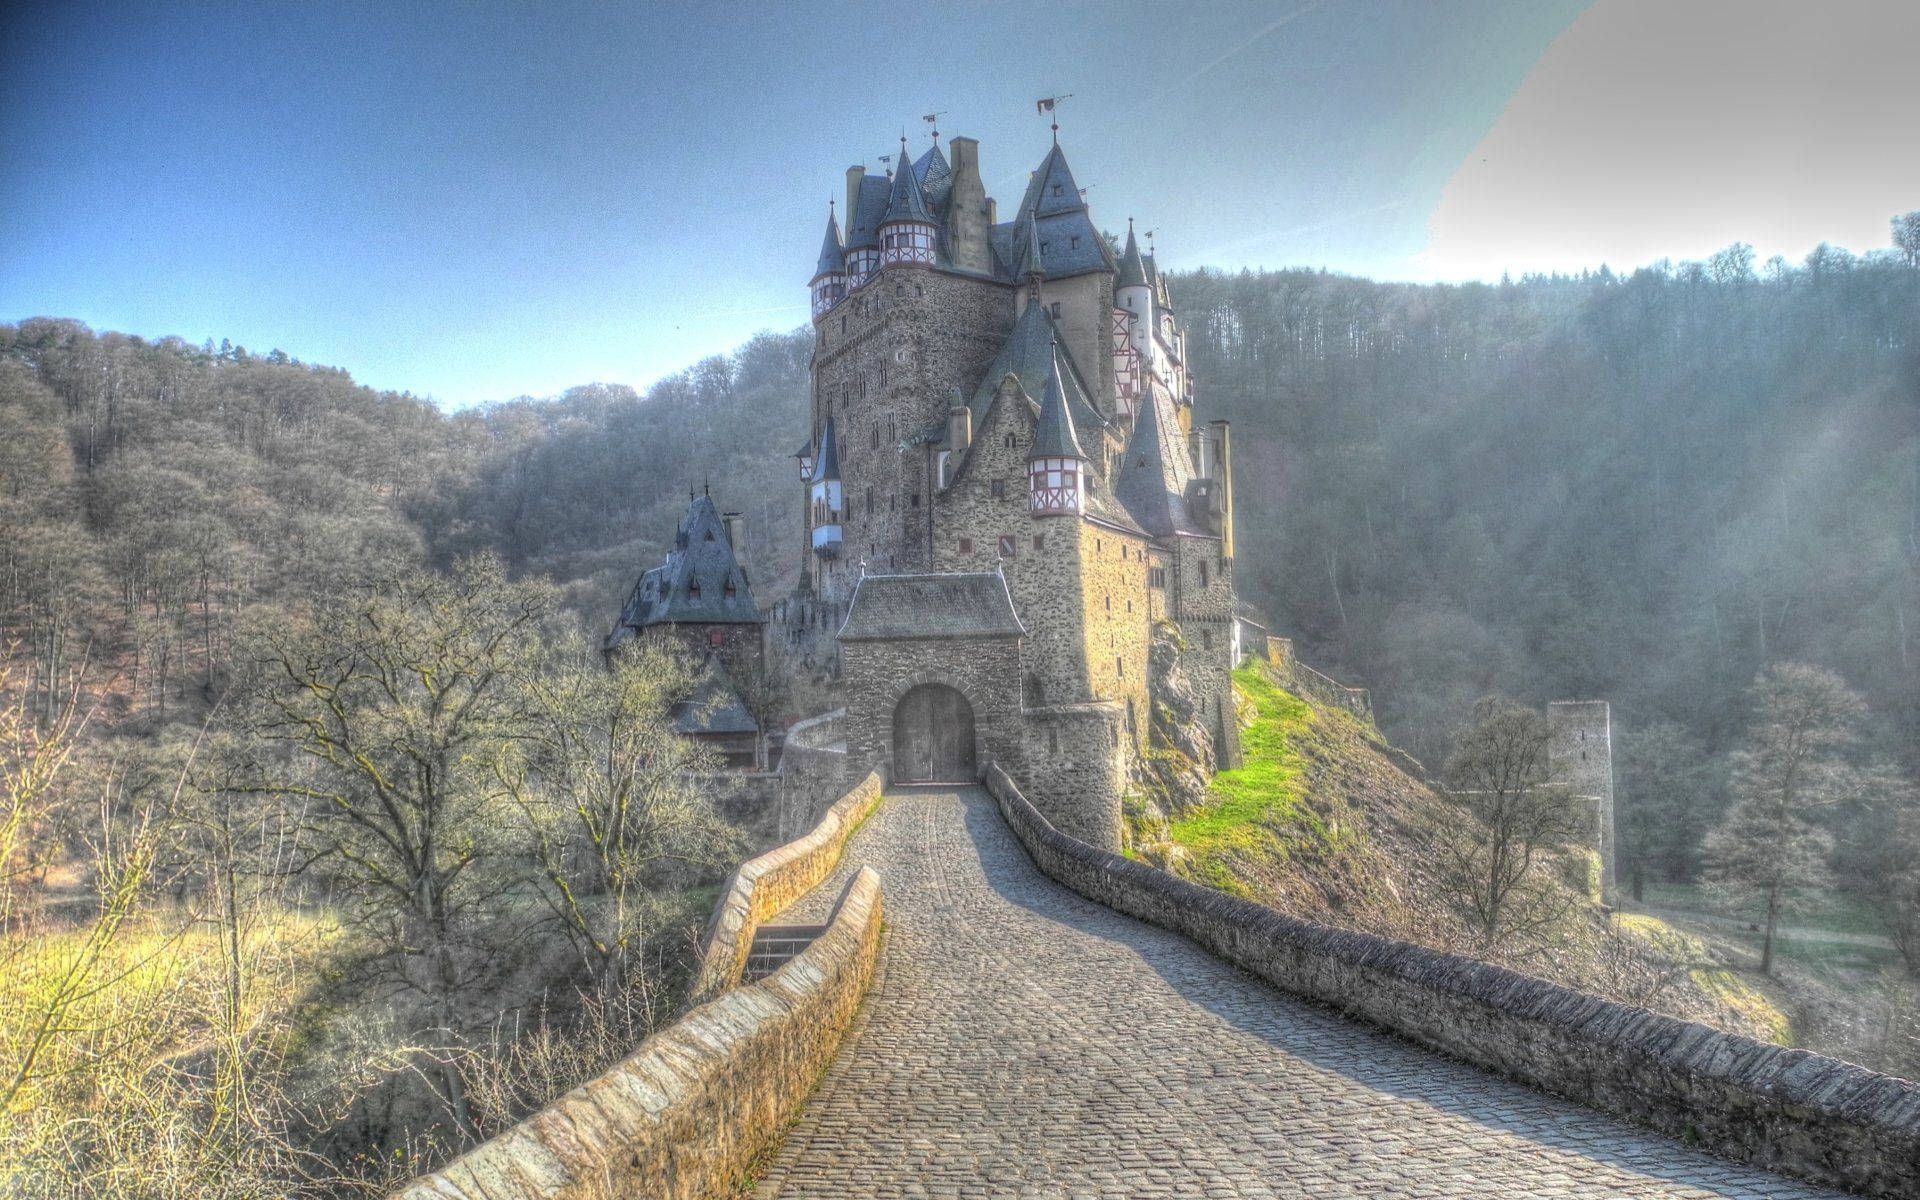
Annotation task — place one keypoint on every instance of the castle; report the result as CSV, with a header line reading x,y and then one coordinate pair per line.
x,y
1006,488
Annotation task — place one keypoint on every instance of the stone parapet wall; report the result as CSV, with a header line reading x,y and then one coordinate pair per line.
x,y
1821,1119
1304,680
687,1113
766,885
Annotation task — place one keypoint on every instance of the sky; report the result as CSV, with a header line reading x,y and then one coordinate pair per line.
x,y
474,201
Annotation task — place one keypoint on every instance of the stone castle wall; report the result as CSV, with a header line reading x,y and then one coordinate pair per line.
x,y
887,363
1788,1110
1077,768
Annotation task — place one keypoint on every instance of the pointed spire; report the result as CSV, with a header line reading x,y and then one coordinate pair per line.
x,y
1055,436
906,202
826,464
833,255
1030,264
1133,272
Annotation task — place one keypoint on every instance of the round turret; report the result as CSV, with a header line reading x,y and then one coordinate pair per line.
x,y
907,232
830,274
1056,466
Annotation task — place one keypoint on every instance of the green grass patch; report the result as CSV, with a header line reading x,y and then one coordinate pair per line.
x,y
1256,811
1730,987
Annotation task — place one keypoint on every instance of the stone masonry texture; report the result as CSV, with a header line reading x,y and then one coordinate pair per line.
x,y
1022,1041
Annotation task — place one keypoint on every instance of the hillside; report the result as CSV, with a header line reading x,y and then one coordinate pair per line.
x,y
1325,822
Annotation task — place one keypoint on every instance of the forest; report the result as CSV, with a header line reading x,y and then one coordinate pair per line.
x,y
1651,488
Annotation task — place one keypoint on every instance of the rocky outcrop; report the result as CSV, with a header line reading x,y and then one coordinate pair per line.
x,y
1174,771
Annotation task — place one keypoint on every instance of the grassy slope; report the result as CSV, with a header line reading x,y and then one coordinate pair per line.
x,y
1319,822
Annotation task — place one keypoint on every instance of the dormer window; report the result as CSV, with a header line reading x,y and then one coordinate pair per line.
x,y
693,590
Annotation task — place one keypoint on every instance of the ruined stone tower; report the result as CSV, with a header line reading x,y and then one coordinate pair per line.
x,y
1580,757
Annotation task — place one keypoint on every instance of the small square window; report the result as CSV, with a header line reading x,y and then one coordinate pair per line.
x,y
1006,545
1039,542
999,488
966,545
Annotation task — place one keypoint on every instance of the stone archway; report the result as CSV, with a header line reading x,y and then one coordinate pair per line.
x,y
933,738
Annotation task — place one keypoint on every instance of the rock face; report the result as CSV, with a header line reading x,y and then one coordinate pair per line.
x,y
1174,771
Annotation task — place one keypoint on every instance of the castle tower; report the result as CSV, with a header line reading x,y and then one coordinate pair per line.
x,y
1580,758
1056,465
830,273
827,498
907,231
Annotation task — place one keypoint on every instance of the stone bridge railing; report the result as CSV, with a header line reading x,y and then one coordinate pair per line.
x,y
1788,1110
684,1116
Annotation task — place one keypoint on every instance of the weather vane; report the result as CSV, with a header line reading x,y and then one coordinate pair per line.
x,y
1048,105
933,119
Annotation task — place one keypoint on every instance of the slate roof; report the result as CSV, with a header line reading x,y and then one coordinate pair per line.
x,y
1133,273
1156,469
906,202
714,705
826,464
863,224
935,176
930,606
1055,436
693,584
833,258
1028,354
1069,244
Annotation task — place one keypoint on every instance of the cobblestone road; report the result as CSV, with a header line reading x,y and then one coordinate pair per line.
x,y
1022,1041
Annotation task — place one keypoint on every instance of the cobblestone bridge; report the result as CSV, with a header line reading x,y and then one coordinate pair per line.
x,y
1022,1041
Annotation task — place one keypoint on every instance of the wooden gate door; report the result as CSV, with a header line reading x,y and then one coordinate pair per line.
x,y
933,736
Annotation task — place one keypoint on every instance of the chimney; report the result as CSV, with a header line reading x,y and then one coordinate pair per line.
x,y
736,524
854,176
1220,437
959,428
968,211
993,212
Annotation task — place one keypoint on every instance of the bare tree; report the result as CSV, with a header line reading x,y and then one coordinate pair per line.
x,y
1491,864
1791,765
402,701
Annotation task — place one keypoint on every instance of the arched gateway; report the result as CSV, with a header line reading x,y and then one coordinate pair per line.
x,y
933,736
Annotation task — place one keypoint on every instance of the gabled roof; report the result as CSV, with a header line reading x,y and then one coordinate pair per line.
x,y
833,258
930,606
714,705
1155,470
1061,227
1028,355
863,224
906,202
1133,273
1054,437
701,582
826,464
935,176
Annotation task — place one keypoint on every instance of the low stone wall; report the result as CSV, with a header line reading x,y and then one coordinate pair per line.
x,y
1821,1119
765,885
685,1115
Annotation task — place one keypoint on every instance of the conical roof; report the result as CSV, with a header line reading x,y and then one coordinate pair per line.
x,y
826,465
833,256
906,202
935,176
1055,437
1133,272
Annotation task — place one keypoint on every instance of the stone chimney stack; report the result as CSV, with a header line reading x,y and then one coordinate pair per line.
x,y
854,176
736,524
967,211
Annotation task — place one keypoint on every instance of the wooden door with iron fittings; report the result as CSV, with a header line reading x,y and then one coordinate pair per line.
x,y
933,736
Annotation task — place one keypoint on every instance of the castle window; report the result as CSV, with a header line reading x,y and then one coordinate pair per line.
x,y
1109,602
1006,545
999,488
869,501
966,545
1074,241
1206,639
916,500
843,323
1013,443
1056,189
716,638
693,589
1053,741
1119,666
1156,577
1044,246
1039,542
709,535
1203,574
727,591
1129,606
1054,308
876,435
1098,545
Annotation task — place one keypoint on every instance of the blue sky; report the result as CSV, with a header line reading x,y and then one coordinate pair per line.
x,y
475,201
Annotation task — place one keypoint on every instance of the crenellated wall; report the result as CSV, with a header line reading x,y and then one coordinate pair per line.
x,y
1824,1120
